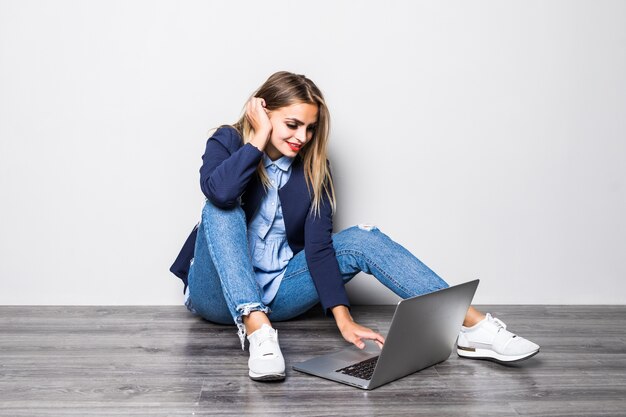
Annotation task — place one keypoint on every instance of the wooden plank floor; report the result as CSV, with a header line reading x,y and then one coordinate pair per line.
x,y
162,361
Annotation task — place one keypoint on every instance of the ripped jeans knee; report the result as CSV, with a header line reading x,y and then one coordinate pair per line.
x,y
367,226
245,310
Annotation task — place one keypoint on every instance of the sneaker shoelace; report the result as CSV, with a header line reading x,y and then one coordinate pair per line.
x,y
501,325
497,322
263,338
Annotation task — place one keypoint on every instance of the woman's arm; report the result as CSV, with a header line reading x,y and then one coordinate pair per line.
x,y
227,166
324,269
321,258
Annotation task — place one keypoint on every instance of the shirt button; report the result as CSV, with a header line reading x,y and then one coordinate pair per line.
x,y
272,203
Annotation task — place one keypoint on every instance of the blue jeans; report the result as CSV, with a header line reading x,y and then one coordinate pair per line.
x,y
223,287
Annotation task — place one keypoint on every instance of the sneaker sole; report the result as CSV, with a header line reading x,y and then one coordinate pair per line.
x,y
266,377
472,353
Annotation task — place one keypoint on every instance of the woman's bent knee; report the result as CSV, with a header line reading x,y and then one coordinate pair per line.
x,y
363,235
367,226
210,210
223,221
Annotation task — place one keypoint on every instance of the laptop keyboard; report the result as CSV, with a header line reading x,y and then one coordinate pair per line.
x,y
363,370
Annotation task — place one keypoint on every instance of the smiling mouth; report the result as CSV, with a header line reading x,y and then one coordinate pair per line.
x,y
294,147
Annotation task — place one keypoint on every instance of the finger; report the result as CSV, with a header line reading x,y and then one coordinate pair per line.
x,y
371,335
253,107
259,107
359,343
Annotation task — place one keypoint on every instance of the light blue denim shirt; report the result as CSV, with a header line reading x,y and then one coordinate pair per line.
x,y
266,231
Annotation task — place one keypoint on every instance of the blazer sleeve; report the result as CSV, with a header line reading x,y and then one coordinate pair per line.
x,y
227,167
321,258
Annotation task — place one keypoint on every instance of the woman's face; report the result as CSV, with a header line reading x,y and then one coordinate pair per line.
x,y
292,128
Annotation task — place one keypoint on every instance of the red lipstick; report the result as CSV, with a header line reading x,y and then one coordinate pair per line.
x,y
293,147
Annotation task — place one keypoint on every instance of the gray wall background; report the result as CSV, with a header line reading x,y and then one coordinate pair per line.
x,y
487,137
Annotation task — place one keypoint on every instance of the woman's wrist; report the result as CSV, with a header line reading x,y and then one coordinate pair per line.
x,y
260,139
341,314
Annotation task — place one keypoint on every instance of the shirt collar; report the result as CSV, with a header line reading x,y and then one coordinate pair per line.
x,y
283,162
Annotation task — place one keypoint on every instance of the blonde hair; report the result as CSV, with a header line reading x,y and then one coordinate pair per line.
x,y
284,89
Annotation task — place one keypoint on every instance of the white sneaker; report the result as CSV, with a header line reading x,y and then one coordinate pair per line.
x,y
489,339
266,361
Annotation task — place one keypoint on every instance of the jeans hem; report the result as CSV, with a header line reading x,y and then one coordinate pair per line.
x,y
245,310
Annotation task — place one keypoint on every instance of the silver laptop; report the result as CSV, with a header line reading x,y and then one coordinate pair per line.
x,y
422,333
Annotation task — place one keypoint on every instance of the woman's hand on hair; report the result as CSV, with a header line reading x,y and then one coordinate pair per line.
x,y
257,115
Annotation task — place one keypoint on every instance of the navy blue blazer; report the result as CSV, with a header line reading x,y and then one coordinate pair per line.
x,y
228,179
